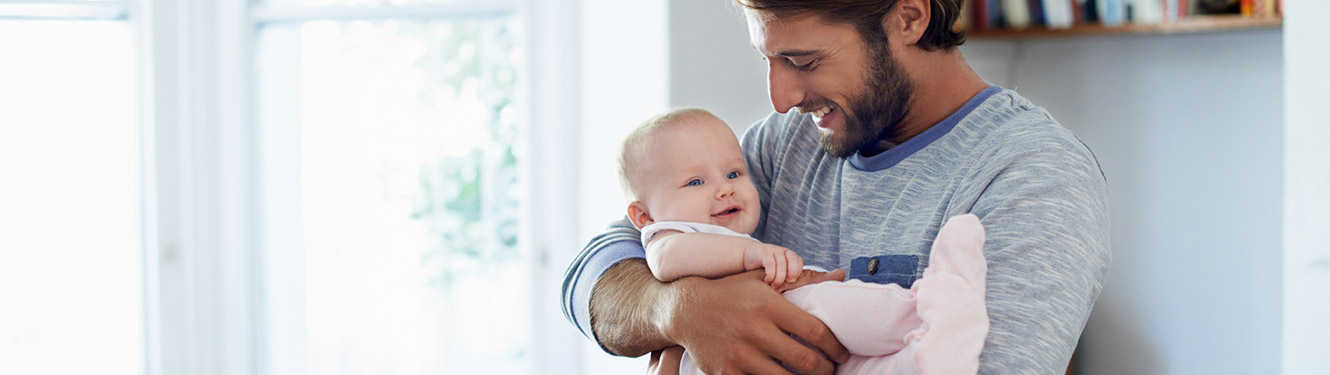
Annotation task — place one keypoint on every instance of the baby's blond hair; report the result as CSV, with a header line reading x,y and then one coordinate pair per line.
x,y
633,153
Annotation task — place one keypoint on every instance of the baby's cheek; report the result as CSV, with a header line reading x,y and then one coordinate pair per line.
x,y
683,212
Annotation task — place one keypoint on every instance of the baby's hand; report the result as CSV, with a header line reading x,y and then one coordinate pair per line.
x,y
782,265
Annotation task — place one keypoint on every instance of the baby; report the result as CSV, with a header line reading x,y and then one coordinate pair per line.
x,y
686,173
687,179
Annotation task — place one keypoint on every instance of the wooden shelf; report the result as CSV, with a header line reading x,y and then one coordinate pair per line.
x,y
1189,25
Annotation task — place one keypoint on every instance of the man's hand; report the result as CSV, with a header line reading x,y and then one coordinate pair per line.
x,y
780,264
739,325
810,277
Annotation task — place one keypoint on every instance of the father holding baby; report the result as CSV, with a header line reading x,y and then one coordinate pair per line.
x,y
882,132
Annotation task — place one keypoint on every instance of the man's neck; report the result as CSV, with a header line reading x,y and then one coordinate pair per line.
x,y
942,85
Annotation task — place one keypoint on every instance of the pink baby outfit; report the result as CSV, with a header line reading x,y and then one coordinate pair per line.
x,y
937,326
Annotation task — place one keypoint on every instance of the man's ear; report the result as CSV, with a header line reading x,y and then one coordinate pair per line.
x,y
637,213
906,23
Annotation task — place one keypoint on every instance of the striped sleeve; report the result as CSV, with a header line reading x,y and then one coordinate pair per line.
x,y
619,242
1045,209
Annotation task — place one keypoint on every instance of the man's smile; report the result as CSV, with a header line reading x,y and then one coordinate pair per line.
x,y
821,113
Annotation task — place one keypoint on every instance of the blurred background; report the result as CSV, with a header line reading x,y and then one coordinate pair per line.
x,y
396,186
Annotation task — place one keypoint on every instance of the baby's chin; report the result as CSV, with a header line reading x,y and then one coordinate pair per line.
x,y
740,226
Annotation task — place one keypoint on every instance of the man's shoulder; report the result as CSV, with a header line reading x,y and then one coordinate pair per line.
x,y
1009,126
778,124
781,121
781,133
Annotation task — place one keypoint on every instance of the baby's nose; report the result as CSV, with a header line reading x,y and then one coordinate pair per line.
x,y
725,190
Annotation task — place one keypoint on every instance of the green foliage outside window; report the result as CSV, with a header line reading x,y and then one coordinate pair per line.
x,y
470,202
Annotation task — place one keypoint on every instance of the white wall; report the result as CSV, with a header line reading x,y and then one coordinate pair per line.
x,y
1306,189
1189,131
713,65
625,77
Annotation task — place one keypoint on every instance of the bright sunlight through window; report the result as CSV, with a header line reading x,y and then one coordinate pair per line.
x,y
391,198
70,202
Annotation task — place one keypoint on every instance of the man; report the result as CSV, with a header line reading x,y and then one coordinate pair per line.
x,y
893,134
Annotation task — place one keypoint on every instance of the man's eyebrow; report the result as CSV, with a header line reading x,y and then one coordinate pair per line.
x,y
788,54
796,53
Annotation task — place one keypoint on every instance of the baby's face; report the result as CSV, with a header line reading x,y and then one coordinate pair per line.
x,y
697,173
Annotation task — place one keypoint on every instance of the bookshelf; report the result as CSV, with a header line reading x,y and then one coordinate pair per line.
x,y
1188,25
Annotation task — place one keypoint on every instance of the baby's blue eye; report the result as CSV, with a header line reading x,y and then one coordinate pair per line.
x,y
694,182
732,175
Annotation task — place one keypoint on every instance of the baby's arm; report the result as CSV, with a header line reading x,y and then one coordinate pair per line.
x,y
672,254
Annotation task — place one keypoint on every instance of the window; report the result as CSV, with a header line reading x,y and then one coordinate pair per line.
x,y
70,271
391,192
283,187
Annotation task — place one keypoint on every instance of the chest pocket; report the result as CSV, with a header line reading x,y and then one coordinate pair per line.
x,y
886,269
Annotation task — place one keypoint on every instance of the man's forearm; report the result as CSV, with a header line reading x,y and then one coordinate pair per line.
x,y
629,307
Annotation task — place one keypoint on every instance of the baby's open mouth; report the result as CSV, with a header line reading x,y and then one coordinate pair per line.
x,y
727,211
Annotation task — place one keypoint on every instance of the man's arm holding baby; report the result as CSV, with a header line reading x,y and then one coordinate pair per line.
x,y
735,324
672,254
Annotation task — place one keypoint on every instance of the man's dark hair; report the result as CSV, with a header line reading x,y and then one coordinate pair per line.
x,y
866,16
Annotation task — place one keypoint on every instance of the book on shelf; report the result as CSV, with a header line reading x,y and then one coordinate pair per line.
x,y
996,16
1260,8
1146,12
1017,13
1037,16
1111,12
986,15
1058,13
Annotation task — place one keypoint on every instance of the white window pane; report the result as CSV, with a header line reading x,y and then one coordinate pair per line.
x,y
368,3
69,204
390,197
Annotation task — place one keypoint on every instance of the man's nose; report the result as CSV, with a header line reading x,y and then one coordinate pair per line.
x,y
785,90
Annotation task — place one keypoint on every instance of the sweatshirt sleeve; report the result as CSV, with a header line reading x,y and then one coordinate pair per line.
x,y
1043,202
620,241
763,146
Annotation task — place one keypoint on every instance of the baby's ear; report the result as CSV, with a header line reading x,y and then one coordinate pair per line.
x,y
637,213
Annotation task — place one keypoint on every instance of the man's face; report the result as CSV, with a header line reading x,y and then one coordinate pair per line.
x,y
856,93
697,173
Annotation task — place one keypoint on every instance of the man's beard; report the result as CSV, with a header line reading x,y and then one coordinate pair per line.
x,y
877,111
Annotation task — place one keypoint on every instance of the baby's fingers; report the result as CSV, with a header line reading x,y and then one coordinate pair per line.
x,y
796,266
780,270
769,266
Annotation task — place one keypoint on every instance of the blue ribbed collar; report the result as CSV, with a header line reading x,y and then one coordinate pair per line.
x,y
894,155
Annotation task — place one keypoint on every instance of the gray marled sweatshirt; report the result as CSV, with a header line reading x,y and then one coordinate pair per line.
x,y
1036,188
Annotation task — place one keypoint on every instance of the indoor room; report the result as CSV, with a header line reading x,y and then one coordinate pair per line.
x,y
345,187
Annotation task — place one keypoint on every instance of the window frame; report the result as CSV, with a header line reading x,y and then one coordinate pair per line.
x,y
199,202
